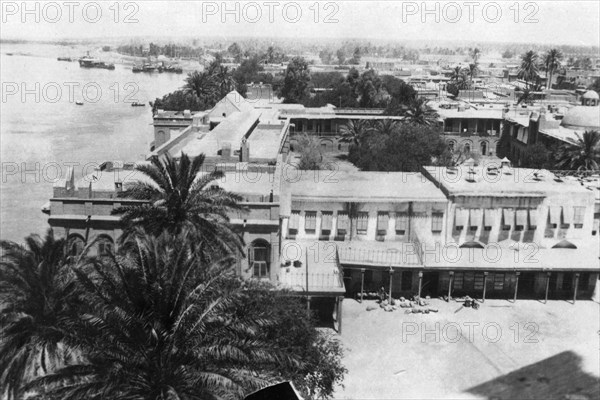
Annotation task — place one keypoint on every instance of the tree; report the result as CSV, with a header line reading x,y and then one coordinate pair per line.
x,y
326,56
473,70
475,54
537,156
37,294
529,70
341,56
459,78
178,100
581,155
201,84
595,86
161,324
508,54
407,147
355,131
311,157
235,51
181,198
552,61
418,112
295,82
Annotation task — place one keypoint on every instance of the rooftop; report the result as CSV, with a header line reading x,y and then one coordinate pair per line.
x,y
484,180
374,186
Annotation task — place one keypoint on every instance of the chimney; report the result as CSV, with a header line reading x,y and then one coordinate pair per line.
x,y
245,151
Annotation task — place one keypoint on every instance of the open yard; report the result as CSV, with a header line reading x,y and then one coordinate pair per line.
x,y
503,350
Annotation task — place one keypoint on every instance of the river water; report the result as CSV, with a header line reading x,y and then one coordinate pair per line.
x,y
42,130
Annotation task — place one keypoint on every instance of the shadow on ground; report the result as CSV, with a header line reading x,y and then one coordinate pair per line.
x,y
557,377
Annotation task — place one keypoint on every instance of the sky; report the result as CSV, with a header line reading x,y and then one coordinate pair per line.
x,y
544,22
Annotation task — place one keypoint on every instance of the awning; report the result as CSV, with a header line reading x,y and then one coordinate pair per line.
x,y
568,215
532,218
489,217
509,216
326,220
294,218
555,215
382,221
342,220
522,217
461,217
476,217
401,221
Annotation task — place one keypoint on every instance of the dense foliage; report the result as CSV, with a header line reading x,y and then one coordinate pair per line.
x,y
398,146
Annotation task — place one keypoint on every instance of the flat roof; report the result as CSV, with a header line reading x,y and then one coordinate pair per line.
x,y
360,186
482,113
513,182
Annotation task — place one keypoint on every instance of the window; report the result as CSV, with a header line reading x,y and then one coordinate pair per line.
x,y
76,245
259,260
508,218
498,281
326,222
105,246
401,223
294,221
584,281
521,216
342,223
458,280
437,220
362,223
478,282
578,215
310,221
488,219
382,223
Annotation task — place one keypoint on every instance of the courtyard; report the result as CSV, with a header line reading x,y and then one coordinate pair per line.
x,y
503,350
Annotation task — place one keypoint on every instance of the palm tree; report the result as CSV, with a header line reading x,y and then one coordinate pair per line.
x,y
552,61
224,80
163,325
179,197
529,67
582,155
473,70
36,295
418,112
475,53
201,84
459,78
355,130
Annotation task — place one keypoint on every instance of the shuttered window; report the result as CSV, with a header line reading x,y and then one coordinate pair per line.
x,y
326,221
362,223
578,215
310,221
342,222
437,220
532,219
508,218
294,220
488,220
401,223
498,281
382,222
521,220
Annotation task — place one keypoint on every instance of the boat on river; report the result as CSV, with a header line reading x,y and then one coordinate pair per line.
x,y
90,62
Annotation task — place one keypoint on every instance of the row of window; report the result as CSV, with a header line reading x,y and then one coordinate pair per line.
x,y
76,244
360,221
518,220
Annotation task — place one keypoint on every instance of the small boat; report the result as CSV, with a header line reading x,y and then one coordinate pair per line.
x,y
79,103
136,104
9,54
137,68
64,59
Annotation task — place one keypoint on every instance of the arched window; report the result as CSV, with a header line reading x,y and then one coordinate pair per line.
x,y
75,245
259,258
484,148
105,245
467,148
451,145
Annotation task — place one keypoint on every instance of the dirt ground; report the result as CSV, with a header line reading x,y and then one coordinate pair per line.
x,y
503,350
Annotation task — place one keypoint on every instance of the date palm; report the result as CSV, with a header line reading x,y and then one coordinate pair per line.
x,y
163,325
36,296
418,112
459,78
529,69
355,131
552,62
179,196
582,155
201,84
472,71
